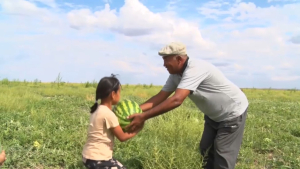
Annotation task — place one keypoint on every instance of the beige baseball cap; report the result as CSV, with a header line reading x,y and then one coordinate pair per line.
x,y
173,48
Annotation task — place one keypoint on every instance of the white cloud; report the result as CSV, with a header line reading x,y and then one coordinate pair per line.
x,y
172,5
21,7
137,23
244,42
141,66
285,78
125,66
248,14
295,39
238,67
282,1
50,3
107,1
84,18
69,5
57,48
286,65
268,67
260,37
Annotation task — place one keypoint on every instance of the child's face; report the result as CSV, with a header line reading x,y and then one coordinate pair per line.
x,y
116,96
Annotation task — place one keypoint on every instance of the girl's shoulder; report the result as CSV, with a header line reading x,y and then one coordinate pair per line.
x,y
105,111
106,114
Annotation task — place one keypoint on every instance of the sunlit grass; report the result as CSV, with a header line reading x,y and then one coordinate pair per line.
x,y
44,126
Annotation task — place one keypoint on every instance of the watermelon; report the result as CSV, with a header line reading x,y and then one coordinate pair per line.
x,y
124,109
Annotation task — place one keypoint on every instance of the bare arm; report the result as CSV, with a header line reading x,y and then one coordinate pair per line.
x,y
190,81
155,100
2,157
167,105
118,132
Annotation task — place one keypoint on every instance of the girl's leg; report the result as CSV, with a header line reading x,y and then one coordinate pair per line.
x,y
90,164
117,164
110,164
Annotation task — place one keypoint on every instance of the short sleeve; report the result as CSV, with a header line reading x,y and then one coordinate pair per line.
x,y
169,85
111,120
192,78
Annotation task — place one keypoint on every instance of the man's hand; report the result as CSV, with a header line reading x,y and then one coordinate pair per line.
x,y
137,123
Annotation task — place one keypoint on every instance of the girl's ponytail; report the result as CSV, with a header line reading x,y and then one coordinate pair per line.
x,y
94,107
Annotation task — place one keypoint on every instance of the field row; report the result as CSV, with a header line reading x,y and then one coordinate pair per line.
x,y
44,126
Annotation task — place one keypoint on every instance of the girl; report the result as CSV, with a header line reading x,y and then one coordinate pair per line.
x,y
103,126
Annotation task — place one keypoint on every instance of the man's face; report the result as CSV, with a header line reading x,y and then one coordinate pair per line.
x,y
173,64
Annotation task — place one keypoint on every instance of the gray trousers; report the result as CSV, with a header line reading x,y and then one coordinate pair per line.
x,y
221,141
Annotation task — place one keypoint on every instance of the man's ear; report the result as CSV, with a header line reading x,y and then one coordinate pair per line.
x,y
178,58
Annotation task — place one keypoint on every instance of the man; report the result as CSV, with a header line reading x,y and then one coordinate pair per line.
x,y
223,104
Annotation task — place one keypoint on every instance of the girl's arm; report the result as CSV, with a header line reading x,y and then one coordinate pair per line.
x,y
2,157
118,132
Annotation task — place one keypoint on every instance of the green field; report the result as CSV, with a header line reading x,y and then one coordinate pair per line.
x,y
44,126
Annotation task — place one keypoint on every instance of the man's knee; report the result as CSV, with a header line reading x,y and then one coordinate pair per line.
x,y
225,155
224,160
204,149
206,144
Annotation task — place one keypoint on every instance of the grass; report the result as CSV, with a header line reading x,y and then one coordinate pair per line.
x,y
44,126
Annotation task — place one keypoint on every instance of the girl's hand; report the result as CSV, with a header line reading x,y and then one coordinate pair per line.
x,y
121,135
138,129
2,157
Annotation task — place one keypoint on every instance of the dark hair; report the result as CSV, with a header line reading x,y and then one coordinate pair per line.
x,y
105,86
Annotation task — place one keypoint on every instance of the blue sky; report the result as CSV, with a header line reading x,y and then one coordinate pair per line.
x,y
254,43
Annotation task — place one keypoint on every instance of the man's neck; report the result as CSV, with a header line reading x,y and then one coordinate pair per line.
x,y
184,66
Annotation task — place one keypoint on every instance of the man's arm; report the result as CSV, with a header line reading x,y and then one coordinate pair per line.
x,y
165,92
167,105
155,100
190,80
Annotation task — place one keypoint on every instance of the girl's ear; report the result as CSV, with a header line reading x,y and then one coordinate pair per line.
x,y
113,94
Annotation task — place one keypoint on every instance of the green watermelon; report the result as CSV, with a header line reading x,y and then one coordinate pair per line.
x,y
124,109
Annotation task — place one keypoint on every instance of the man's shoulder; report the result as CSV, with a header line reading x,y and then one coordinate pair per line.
x,y
199,65
197,62
174,76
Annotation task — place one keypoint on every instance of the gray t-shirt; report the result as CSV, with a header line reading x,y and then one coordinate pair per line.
x,y
212,92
